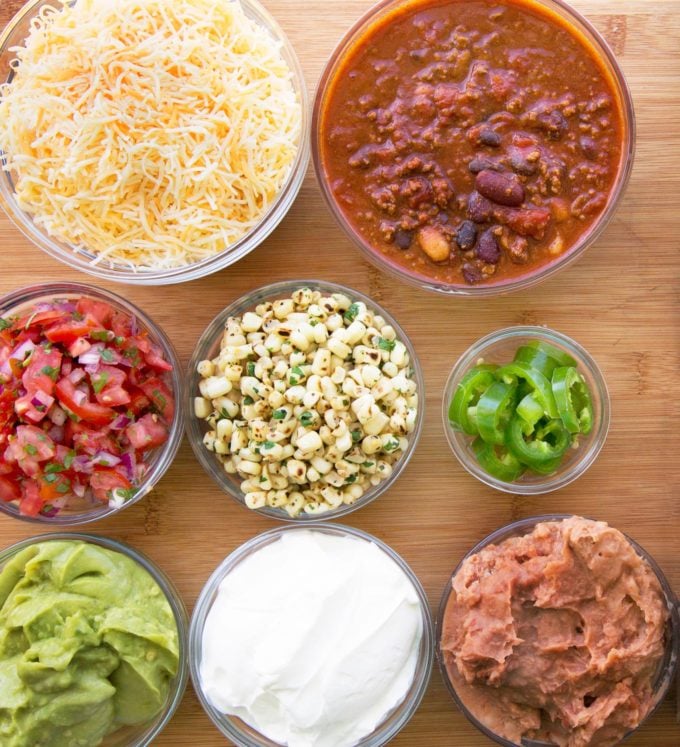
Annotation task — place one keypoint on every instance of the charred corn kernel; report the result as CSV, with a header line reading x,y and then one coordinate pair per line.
x,y
214,386
202,407
256,499
311,441
205,369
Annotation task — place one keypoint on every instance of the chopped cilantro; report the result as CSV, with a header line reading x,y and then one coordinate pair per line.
x,y
99,381
356,436
68,459
279,414
77,316
100,334
108,356
118,340
268,445
391,445
263,478
159,399
50,477
350,479
248,400
307,418
250,368
351,314
53,467
368,464
30,450
384,344
223,414
4,324
50,371
298,371
64,487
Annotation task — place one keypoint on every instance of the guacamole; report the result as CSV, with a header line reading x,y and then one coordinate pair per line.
x,y
88,644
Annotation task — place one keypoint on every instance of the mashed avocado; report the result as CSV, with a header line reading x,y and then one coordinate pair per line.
x,y
88,644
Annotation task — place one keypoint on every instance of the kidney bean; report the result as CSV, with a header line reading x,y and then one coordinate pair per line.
x,y
403,239
487,247
520,165
489,137
555,125
471,273
480,163
589,147
503,189
466,235
479,208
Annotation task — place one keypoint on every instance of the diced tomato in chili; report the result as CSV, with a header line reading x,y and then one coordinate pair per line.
x,y
62,420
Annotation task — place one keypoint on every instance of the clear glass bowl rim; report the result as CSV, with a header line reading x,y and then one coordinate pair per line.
x,y
595,441
608,59
208,340
166,455
169,591
386,731
236,251
520,527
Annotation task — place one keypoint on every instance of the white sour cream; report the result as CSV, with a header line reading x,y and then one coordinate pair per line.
x,y
312,640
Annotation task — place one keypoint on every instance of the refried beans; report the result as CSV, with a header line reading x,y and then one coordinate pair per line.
x,y
556,635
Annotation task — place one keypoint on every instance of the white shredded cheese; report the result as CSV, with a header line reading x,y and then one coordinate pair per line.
x,y
149,133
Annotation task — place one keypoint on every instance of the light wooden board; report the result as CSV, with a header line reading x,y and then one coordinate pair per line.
x,y
620,301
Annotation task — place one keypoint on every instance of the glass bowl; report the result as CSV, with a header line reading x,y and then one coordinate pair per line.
x,y
159,459
667,666
376,16
139,735
207,348
244,735
14,35
500,347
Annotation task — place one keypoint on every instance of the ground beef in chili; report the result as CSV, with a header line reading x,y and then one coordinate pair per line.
x,y
471,142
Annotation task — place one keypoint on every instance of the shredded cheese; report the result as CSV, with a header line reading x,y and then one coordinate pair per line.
x,y
149,133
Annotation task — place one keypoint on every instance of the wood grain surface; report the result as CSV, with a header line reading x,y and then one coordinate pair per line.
x,y
620,301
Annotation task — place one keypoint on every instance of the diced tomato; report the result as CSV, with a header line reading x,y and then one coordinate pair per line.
x,y
89,441
155,358
139,402
147,433
161,397
43,370
9,490
107,384
79,346
35,443
31,504
121,324
33,406
53,486
70,330
39,318
99,310
104,481
92,412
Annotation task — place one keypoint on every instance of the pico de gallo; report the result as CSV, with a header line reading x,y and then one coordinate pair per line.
x,y
85,396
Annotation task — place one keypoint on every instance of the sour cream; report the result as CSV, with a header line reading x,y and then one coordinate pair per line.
x,y
312,640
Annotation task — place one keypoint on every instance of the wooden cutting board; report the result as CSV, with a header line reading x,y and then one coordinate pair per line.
x,y
620,301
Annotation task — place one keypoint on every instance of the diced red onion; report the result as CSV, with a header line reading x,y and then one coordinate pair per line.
x,y
120,423
81,464
105,459
41,398
79,396
57,415
91,358
76,376
78,489
56,433
129,461
93,368
19,352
